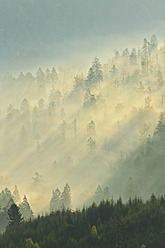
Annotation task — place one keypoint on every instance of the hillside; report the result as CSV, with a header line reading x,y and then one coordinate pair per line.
x,y
85,128
111,224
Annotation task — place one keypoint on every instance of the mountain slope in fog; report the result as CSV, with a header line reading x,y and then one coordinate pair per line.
x,y
81,128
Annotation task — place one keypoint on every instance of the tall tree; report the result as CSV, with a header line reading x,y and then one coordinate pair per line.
x,y
55,201
145,56
25,209
16,195
54,76
24,105
131,189
133,57
98,197
15,217
40,77
153,43
66,197
95,75
6,199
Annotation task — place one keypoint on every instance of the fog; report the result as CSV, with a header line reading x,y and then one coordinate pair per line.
x,y
66,125
42,33
76,106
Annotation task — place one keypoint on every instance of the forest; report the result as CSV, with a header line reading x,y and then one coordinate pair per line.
x,y
76,138
135,224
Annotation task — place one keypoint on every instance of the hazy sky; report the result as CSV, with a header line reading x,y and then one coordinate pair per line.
x,y
34,33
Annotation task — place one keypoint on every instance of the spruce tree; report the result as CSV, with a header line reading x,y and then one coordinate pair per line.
x,y
66,197
95,75
6,199
16,195
15,217
98,195
25,209
55,201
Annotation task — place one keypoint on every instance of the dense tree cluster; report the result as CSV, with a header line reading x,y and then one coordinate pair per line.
x,y
7,199
110,224
61,201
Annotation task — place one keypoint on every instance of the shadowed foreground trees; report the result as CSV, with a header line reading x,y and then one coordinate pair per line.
x,y
15,217
135,224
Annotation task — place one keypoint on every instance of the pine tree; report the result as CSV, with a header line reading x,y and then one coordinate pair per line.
x,y
159,134
54,76
15,217
24,105
16,195
131,189
113,72
95,75
25,209
47,76
153,43
98,197
145,56
126,56
55,203
133,57
40,77
106,193
119,231
6,199
66,197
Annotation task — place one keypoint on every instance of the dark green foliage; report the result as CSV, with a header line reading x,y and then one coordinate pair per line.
x,y
15,217
134,224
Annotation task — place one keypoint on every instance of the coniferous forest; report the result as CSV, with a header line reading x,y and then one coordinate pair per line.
x,y
110,224
92,142
82,124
